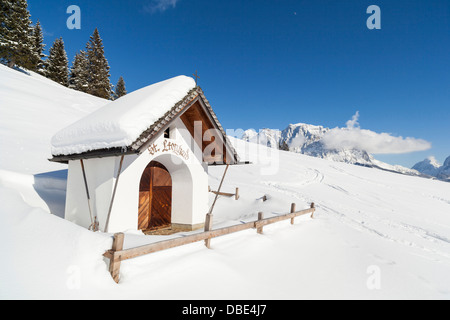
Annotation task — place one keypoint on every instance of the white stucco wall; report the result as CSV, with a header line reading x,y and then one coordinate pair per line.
x,y
189,181
100,183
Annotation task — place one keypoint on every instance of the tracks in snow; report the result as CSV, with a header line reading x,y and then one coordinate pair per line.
x,y
313,176
411,235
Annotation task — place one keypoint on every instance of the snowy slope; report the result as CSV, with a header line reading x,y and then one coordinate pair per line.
x,y
369,223
32,110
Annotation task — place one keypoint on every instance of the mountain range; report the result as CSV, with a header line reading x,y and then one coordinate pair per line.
x,y
308,139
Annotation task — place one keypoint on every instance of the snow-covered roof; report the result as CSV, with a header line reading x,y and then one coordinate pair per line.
x,y
120,123
129,123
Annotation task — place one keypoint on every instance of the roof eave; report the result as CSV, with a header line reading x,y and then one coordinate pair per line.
x,y
95,154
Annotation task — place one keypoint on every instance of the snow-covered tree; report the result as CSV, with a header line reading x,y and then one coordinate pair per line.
x,y
57,63
38,48
98,68
16,34
120,89
79,74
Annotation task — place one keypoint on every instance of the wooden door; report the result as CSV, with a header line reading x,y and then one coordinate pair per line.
x,y
155,198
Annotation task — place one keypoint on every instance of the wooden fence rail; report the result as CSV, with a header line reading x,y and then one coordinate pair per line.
x,y
227,194
118,254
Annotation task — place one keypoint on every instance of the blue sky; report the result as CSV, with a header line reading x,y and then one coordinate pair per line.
x,y
268,63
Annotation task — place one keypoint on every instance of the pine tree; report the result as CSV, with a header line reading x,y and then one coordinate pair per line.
x,y
38,48
98,68
8,33
120,89
283,146
16,34
79,76
57,64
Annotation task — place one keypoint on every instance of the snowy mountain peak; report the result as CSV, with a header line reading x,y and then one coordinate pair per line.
x,y
432,160
267,137
431,167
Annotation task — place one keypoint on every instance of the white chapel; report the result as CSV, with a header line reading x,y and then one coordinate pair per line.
x,y
141,162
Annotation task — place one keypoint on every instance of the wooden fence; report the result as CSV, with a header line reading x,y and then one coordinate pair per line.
x,y
117,254
226,194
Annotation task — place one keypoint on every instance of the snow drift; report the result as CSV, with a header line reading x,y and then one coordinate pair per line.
x,y
32,109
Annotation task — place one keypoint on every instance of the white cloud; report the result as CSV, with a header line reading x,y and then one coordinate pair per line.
x,y
297,141
353,123
354,137
160,5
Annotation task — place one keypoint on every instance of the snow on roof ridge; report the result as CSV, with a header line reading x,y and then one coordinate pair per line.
x,y
121,122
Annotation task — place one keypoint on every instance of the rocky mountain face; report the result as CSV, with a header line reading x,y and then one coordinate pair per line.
x,y
444,172
307,139
431,167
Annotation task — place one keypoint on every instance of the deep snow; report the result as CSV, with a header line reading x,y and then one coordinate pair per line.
x,y
370,225
32,110
119,123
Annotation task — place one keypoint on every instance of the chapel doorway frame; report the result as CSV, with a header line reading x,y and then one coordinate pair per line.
x,y
155,198
183,191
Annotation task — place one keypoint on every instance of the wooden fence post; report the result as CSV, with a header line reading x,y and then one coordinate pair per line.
x,y
114,266
237,194
260,217
208,227
292,211
313,206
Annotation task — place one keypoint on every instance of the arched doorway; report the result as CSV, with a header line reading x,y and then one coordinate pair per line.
x,y
155,198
